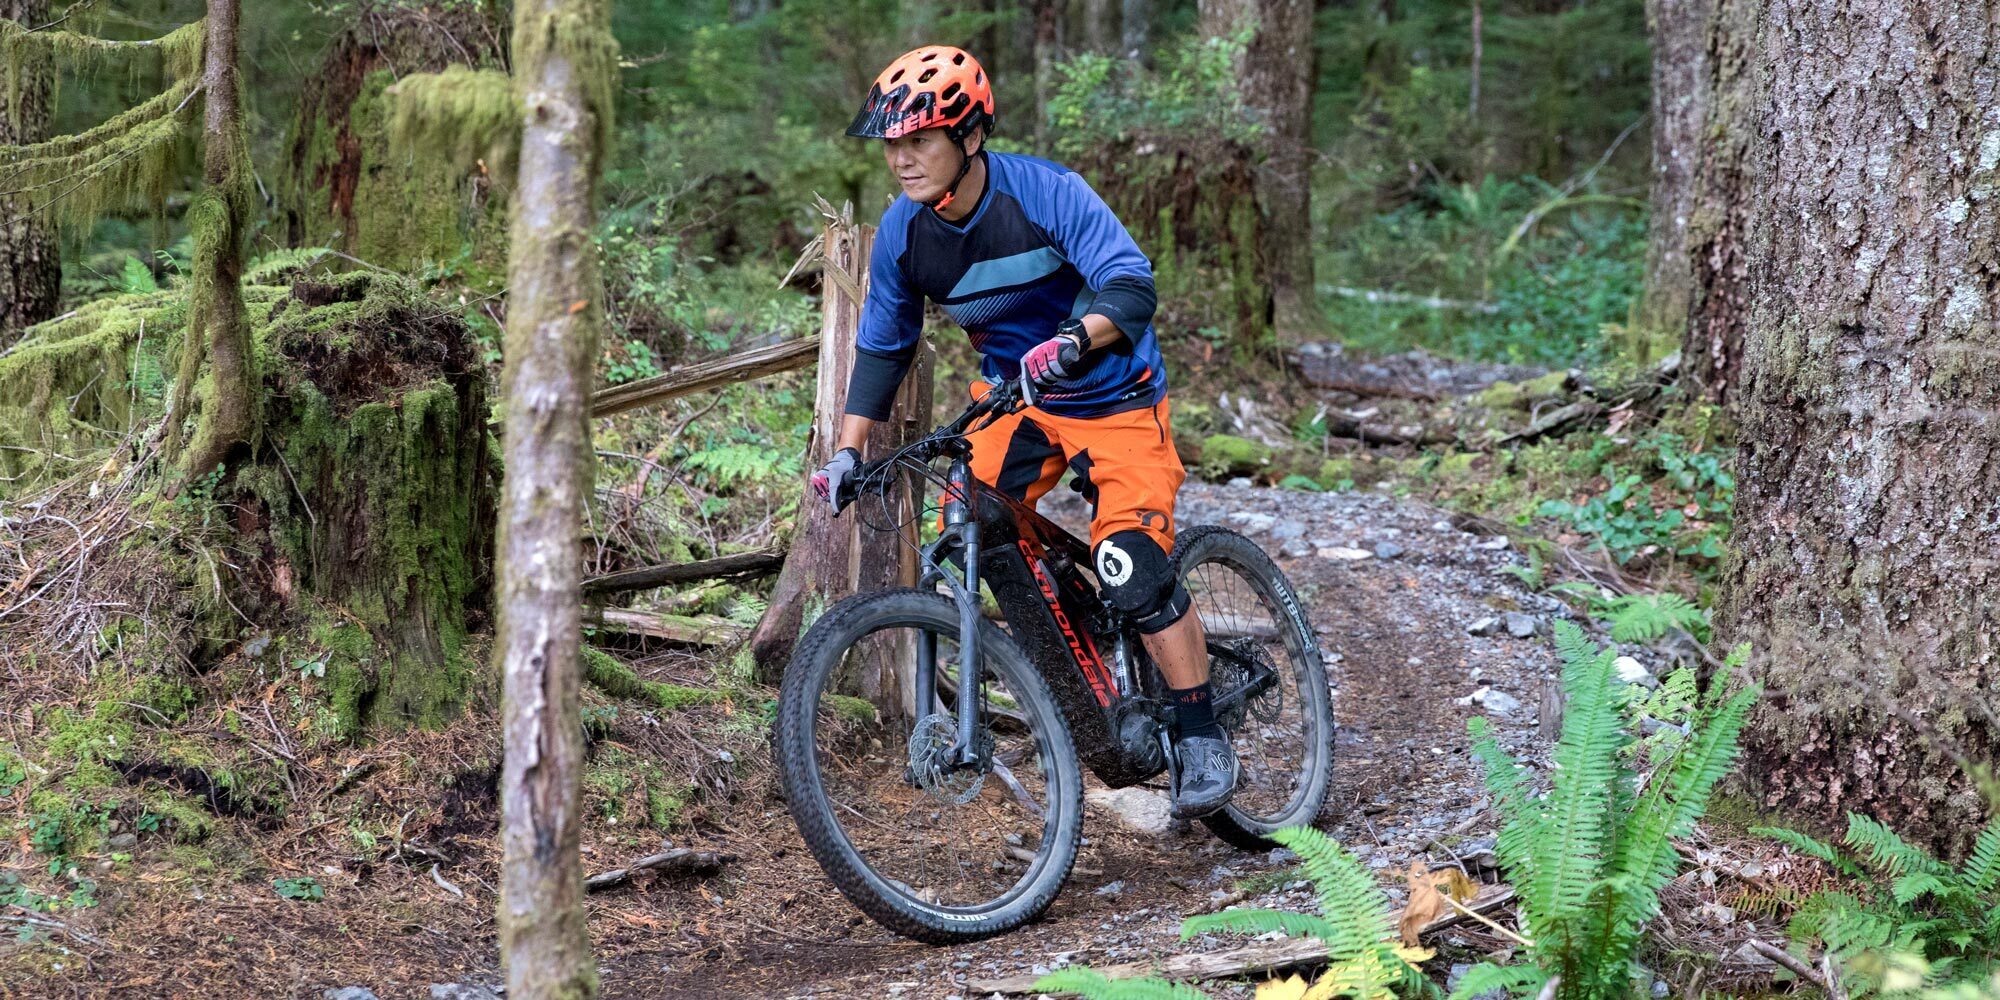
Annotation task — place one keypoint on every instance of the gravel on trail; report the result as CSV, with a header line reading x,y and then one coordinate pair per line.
x,y
1401,601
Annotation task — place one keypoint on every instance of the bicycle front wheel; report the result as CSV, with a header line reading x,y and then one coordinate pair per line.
x,y
1283,736
930,849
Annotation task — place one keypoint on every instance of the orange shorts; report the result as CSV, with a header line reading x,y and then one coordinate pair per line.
x,y
1126,465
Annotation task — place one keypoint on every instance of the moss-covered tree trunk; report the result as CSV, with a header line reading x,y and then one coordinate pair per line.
x,y
564,63
1868,509
348,184
1679,30
1276,71
30,262
1733,71
218,322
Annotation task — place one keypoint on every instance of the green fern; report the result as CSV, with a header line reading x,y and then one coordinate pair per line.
x,y
1514,980
269,268
1645,617
728,464
1589,859
137,277
1908,906
1094,986
1355,927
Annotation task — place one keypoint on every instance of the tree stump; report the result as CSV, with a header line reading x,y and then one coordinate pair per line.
x,y
831,557
375,479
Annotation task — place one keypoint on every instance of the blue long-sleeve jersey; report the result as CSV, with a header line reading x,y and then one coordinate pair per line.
x,y
1039,248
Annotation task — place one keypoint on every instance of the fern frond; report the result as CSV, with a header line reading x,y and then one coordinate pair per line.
x,y
1645,617
1887,850
1297,925
1508,782
1355,911
1093,985
280,263
1982,869
1916,885
1515,980
1574,841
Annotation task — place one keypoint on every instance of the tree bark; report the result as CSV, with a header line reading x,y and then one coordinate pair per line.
x,y
564,64
1680,37
1868,505
1135,22
1100,25
1277,75
1730,85
30,259
1047,49
218,321
830,558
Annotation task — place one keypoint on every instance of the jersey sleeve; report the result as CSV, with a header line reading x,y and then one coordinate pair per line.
x,y
1094,242
892,321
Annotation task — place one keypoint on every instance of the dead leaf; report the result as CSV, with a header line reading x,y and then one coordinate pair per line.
x,y
1282,989
1416,956
1427,892
578,306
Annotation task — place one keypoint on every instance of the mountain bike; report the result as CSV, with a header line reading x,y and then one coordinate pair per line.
x,y
959,816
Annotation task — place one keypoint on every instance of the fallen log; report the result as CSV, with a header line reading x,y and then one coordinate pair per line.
x,y
741,564
1344,425
754,363
679,861
1262,957
695,630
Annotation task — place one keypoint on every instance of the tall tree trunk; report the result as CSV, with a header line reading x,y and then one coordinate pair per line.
x,y
1681,78
1047,16
218,220
1277,75
564,59
30,260
1734,74
1135,22
1478,57
1868,508
1100,25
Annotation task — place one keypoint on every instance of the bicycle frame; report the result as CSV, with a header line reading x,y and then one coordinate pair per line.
x,y
1058,619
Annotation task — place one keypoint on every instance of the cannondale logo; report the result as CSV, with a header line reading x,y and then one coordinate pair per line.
x,y
1114,567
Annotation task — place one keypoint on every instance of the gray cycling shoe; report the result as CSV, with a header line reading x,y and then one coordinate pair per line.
x,y
1205,775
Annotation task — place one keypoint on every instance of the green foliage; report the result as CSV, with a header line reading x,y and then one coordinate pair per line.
x,y
1194,90
460,116
1094,986
1589,858
1689,518
1641,617
1910,913
726,464
1354,924
304,888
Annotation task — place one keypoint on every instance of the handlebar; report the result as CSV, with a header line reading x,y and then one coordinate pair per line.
x,y
1005,398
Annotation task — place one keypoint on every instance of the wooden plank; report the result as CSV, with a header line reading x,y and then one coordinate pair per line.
x,y
741,367
696,630
741,564
1263,957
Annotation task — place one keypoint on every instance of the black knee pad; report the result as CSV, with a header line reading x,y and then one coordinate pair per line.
x,y
1138,579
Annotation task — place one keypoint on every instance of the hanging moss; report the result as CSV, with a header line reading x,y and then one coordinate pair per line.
x,y
125,161
180,50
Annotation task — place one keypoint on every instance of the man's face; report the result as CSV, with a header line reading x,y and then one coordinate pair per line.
x,y
925,163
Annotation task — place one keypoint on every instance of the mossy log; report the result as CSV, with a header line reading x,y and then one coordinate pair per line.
x,y
376,478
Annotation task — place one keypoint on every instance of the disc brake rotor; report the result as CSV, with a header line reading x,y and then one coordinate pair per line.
x,y
931,764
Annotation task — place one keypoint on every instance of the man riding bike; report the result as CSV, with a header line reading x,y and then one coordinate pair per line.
x,y
1045,280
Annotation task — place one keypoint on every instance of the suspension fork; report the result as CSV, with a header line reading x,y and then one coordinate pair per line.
x,y
962,529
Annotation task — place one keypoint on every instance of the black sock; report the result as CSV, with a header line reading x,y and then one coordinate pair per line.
x,y
1194,712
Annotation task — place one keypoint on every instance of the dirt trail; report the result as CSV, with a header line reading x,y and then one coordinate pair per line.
x,y
1395,623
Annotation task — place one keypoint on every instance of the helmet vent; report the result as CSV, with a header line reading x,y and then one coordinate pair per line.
x,y
958,60
925,77
898,76
949,93
928,56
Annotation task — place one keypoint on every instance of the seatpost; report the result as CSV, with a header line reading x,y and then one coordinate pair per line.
x,y
958,517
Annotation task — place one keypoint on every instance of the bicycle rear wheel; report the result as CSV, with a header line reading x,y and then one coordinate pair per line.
x,y
929,851
1284,736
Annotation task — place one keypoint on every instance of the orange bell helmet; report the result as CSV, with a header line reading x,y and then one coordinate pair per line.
x,y
930,87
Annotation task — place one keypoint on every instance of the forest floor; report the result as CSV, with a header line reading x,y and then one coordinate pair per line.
x,y
1396,588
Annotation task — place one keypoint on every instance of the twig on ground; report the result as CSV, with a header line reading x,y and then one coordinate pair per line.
x,y
1466,911
679,861
1549,988
1789,961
